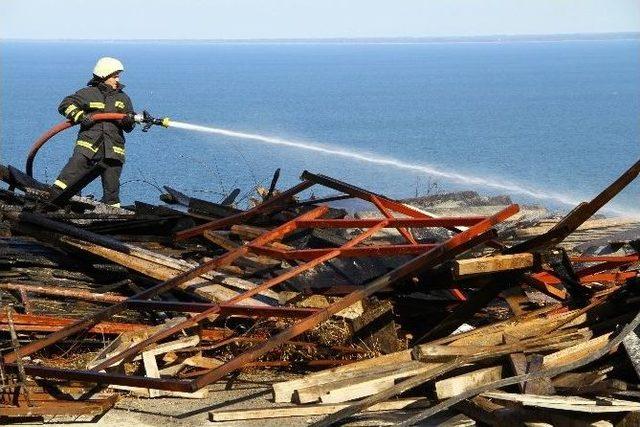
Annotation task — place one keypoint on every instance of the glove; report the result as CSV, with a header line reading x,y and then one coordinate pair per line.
x,y
87,121
128,122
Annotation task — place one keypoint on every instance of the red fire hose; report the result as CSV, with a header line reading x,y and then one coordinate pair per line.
x,y
59,128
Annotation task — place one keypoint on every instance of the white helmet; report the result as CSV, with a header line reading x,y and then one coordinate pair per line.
x,y
107,66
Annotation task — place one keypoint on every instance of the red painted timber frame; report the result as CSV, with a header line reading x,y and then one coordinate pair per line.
x,y
607,269
431,256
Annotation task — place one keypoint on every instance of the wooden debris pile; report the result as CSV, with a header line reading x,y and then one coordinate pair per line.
x,y
479,319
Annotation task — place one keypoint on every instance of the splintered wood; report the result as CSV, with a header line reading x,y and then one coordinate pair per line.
x,y
393,315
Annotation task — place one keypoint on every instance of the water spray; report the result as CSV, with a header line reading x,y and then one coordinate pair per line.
x,y
147,120
399,164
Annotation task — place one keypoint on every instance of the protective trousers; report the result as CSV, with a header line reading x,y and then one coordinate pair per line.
x,y
79,165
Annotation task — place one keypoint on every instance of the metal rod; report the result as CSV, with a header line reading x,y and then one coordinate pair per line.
x,y
226,309
40,323
322,200
103,378
393,222
367,251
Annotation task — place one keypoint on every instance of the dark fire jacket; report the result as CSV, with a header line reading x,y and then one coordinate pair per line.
x,y
104,139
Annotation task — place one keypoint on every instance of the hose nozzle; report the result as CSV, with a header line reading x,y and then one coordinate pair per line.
x,y
148,120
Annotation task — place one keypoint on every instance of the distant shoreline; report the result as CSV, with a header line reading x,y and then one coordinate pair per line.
x,y
367,40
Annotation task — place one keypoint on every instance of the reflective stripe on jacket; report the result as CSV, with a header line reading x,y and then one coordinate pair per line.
x,y
99,97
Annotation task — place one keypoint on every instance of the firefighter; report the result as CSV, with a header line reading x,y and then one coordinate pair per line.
x,y
101,141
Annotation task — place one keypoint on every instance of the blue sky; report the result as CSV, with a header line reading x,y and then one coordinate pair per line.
x,y
251,19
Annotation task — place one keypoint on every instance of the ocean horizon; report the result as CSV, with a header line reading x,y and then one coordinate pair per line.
x,y
548,122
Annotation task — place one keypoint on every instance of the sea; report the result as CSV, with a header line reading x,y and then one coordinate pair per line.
x,y
549,122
